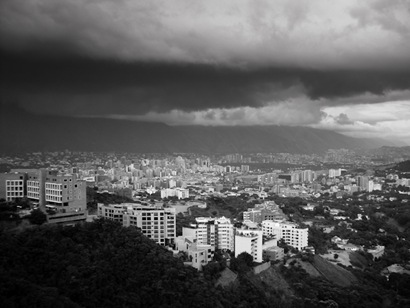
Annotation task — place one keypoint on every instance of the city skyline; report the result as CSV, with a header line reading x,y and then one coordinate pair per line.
x,y
340,66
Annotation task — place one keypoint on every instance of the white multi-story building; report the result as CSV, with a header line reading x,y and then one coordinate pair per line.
x,y
249,241
335,173
225,234
290,232
370,186
272,228
155,222
114,211
12,186
33,190
218,232
181,193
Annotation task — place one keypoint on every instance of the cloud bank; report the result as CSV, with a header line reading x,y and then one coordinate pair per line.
x,y
340,65
321,34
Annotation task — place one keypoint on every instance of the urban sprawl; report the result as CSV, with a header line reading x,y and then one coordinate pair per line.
x,y
195,205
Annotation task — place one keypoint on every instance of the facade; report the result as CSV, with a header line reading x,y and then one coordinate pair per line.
x,y
363,182
61,195
335,173
181,193
249,241
114,212
12,186
268,210
155,222
290,232
198,254
64,195
36,187
273,253
244,168
218,232
254,215
272,229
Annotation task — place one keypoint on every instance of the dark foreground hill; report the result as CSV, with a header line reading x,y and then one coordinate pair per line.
x,y
21,131
103,264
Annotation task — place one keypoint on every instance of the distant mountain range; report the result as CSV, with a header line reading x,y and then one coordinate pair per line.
x,y
22,131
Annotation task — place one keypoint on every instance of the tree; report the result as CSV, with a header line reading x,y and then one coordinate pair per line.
x,y
37,217
242,263
246,258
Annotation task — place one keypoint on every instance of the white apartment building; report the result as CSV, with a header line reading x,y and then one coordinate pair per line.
x,y
155,222
181,193
335,173
249,241
218,232
225,239
290,232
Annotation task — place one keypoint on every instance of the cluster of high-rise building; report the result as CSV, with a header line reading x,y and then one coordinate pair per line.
x,y
273,223
207,234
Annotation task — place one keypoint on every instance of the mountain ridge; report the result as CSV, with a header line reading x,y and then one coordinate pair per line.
x,y
23,131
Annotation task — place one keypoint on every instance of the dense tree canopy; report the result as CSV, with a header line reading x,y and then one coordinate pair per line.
x,y
103,264
37,217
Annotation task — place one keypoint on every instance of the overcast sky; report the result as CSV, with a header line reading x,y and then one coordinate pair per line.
x,y
340,65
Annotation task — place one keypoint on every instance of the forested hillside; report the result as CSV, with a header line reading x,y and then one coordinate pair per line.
x,y
103,264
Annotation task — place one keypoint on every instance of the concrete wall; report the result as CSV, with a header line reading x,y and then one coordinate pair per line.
x,y
260,268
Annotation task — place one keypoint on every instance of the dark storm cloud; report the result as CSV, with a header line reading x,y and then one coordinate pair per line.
x,y
105,86
128,57
79,85
344,83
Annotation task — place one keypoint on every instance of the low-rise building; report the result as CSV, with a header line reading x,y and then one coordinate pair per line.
x,y
199,254
273,253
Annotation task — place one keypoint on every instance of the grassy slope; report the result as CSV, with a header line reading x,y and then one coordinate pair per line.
x,y
333,272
